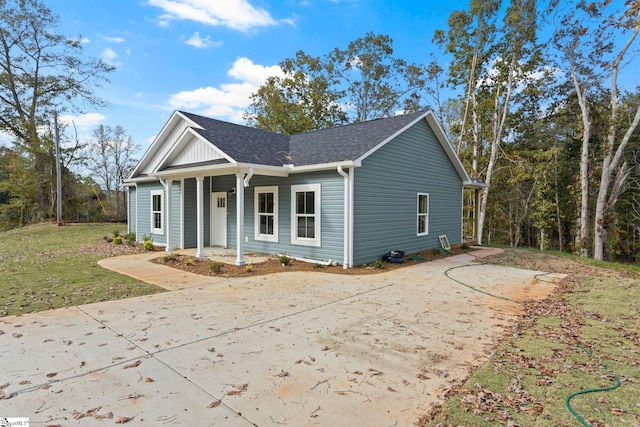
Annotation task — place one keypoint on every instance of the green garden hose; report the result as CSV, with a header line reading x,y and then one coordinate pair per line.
x,y
591,390
446,273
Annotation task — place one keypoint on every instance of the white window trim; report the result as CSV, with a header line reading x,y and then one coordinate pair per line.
x,y
426,215
256,214
151,226
295,240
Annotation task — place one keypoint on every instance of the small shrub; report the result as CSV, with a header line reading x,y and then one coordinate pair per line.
x,y
170,257
248,268
216,267
317,265
438,251
464,246
116,233
284,260
188,262
148,245
117,240
130,238
377,264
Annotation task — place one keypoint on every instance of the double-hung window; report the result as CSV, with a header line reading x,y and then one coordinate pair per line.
x,y
266,213
305,212
157,212
423,214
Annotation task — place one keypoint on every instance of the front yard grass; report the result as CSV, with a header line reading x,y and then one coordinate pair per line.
x,y
44,266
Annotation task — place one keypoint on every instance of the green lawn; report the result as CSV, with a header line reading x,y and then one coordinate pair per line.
x,y
582,338
45,266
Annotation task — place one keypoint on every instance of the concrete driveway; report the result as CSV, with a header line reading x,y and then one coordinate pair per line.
x,y
296,349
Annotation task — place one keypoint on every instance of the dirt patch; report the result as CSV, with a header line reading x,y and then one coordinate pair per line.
x,y
541,261
207,267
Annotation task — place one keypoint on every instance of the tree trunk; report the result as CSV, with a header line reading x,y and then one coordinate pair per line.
x,y
611,160
583,230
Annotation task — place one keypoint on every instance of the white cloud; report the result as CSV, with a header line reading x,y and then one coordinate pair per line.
x,y
83,121
202,43
235,14
113,39
229,100
109,56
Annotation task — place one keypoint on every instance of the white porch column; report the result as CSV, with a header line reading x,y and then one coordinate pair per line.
x,y
169,184
240,219
200,215
478,228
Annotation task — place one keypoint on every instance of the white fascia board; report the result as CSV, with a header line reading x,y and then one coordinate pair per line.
x,y
177,115
474,184
134,181
322,166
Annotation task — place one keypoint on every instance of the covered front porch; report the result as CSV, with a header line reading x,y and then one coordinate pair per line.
x,y
215,184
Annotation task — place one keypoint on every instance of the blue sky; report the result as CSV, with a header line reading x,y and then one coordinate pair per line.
x,y
208,56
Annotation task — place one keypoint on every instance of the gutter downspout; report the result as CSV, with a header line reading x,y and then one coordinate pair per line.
x,y
248,177
348,234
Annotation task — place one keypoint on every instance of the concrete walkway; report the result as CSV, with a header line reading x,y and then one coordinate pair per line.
x,y
297,349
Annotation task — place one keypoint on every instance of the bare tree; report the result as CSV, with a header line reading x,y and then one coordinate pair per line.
x,y
111,157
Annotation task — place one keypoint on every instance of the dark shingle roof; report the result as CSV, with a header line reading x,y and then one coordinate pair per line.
x,y
347,142
250,145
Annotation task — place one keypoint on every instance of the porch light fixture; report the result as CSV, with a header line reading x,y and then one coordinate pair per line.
x,y
232,191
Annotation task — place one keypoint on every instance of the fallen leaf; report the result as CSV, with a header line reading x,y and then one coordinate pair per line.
x,y
390,389
16,335
214,404
8,396
238,391
374,372
77,415
108,416
133,365
52,374
148,380
5,385
123,420
94,410
283,374
67,342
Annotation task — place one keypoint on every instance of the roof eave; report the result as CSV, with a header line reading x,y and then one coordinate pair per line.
x,y
219,170
322,166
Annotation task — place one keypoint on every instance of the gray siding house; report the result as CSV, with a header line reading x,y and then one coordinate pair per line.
x,y
344,195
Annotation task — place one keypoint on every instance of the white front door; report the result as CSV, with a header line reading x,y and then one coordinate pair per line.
x,y
219,219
